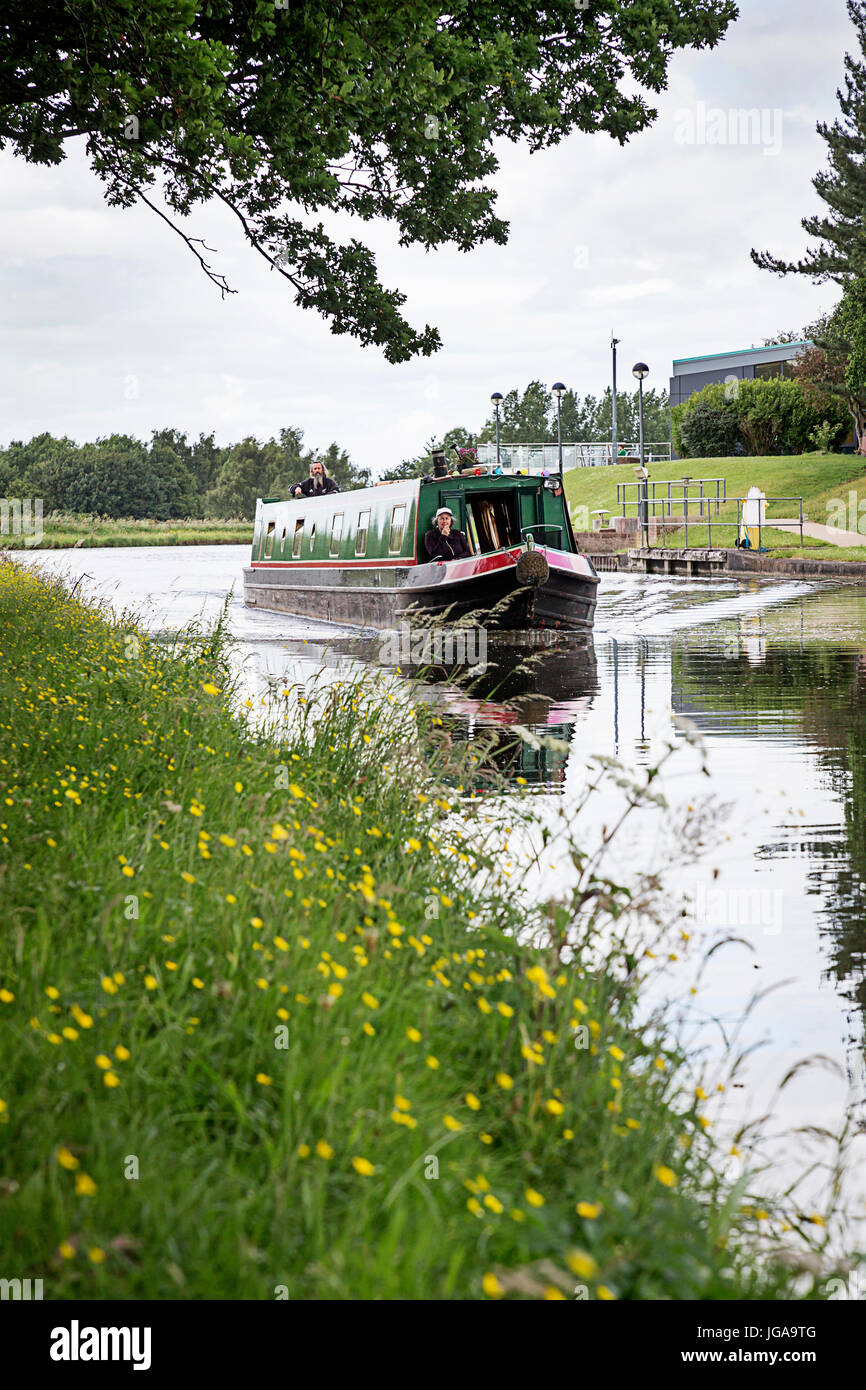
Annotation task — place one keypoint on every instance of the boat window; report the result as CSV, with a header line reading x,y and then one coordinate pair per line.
x,y
312,536
336,533
299,535
494,520
269,539
398,522
361,534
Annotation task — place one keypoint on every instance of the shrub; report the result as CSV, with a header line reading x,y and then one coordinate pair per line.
x,y
770,417
710,431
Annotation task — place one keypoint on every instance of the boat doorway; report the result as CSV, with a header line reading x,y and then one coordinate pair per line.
x,y
492,522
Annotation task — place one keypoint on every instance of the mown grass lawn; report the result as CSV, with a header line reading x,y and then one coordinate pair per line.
x,y
821,479
269,1029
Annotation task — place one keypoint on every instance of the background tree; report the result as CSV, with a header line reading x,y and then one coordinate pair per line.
x,y
288,111
840,231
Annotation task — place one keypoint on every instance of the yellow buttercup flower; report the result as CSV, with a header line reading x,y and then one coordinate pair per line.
x,y
363,1166
581,1264
665,1175
588,1210
492,1287
534,1198
324,1150
67,1159
84,1185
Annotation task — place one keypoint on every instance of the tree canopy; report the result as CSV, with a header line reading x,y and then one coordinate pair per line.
x,y
170,477
288,110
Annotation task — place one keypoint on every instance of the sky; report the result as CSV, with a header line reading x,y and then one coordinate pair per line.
x,y
108,325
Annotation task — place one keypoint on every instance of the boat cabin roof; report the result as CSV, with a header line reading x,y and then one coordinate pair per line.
x,y
388,521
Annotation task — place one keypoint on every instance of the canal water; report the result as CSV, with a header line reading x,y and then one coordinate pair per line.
x,y
762,682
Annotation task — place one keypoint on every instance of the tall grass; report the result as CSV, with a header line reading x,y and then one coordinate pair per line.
x,y
276,1024
63,530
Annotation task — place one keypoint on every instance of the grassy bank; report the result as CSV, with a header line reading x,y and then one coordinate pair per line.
x,y
833,488
63,530
265,1034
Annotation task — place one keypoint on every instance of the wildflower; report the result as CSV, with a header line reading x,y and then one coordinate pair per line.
x,y
492,1287
67,1159
370,1000
493,1204
52,992
6,996
616,1053
363,1166
71,1034
450,1123
433,1063
553,1295
66,1250
369,1030
303,1151
401,1118
121,1053
150,982
665,1175
103,1061
96,1255
472,1101
110,1079
413,1035
555,1107
581,1264
504,1080
505,1009
84,1185
588,1210
534,1198
187,877
324,1150
604,1293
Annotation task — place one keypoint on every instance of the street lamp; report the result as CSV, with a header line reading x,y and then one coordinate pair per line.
x,y
640,370
558,389
496,401
613,439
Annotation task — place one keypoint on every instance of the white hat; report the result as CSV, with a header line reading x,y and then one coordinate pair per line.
x,y
442,511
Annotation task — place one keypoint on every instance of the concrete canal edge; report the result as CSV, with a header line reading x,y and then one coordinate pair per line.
x,y
706,563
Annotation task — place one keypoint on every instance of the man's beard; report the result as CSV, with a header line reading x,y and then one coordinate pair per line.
x,y
318,482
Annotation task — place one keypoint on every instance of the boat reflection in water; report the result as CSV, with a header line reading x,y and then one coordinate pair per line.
x,y
518,707
521,710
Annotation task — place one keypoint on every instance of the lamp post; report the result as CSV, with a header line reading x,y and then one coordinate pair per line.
x,y
640,370
558,389
613,343
496,401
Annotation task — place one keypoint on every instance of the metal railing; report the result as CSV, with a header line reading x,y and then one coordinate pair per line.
x,y
537,457
678,490
662,511
544,526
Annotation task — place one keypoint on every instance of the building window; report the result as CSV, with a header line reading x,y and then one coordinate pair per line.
x,y
336,533
398,522
361,534
298,537
766,370
269,539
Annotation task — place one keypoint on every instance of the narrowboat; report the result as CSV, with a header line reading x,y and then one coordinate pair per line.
x,y
359,557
